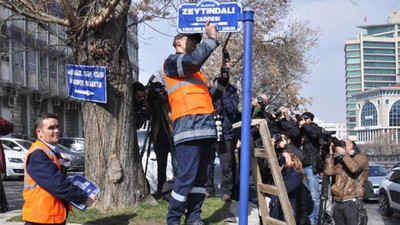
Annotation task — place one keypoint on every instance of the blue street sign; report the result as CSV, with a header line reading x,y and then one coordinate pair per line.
x,y
193,17
87,83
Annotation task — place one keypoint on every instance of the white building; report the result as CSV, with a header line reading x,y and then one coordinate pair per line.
x,y
32,74
339,128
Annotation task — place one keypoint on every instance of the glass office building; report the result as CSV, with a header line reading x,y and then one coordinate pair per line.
x,y
372,61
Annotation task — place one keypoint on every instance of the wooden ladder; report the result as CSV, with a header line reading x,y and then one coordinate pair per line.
x,y
279,189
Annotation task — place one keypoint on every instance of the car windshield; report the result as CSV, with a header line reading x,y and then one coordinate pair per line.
x,y
376,171
25,144
62,147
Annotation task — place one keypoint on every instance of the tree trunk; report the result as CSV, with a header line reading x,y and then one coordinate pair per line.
x,y
112,157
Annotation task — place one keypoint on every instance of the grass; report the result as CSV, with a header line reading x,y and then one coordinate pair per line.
x,y
214,213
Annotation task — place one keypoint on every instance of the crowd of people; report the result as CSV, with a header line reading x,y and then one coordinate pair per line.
x,y
202,114
192,119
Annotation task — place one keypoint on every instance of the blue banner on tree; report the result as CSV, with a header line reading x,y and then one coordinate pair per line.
x,y
87,83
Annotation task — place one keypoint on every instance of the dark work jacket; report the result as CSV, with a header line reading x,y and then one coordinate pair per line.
x,y
47,175
198,126
227,106
297,152
291,129
311,134
293,182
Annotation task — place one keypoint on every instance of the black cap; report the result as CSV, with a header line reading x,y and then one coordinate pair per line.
x,y
196,36
308,115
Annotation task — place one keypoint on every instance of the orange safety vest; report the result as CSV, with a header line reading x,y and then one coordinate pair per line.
x,y
188,95
40,206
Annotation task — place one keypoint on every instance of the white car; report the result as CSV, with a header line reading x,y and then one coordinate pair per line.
x,y
17,144
389,193
14,162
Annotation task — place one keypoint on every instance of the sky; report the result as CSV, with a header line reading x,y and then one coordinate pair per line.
x,y
337,20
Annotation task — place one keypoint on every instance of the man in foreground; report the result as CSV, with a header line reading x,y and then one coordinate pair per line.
x,y
47,192
350,168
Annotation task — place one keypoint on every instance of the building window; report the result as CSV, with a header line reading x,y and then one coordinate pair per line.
x,y
378,102
387,101
379,44
379,51
394,114
353,67
378,57
369,115
17,49
354,60
4,44
352,46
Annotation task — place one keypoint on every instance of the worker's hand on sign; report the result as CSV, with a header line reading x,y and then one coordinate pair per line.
x,y
211,30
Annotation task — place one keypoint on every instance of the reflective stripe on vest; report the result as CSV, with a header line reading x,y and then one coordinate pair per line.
x,y
40,206
51,156
184,82
188,95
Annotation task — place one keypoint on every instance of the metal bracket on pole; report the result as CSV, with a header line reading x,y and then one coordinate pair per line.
x,y
248,18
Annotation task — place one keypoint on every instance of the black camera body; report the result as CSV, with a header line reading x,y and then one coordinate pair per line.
x,y
260,100
155,95
218,125
277,112
338,143
225,72
277,137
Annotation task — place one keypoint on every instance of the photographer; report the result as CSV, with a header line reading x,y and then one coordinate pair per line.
x,y
284,142
350,168
313,163
258,106
281,122
226,110
161,130
141,106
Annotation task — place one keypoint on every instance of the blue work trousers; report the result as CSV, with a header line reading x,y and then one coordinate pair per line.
x,y
312,183
189,188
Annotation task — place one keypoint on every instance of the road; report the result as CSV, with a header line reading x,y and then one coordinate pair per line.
x,y
14,188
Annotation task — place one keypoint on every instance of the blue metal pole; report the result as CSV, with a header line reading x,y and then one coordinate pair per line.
x,y
248,20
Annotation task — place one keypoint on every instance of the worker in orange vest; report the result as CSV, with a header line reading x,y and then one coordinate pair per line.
x,y
47,192
194,130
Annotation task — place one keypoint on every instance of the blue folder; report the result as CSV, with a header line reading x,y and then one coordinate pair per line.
x,y
86,186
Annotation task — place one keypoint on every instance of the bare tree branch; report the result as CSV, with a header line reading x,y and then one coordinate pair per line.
x,y
38,15
104,15
66,4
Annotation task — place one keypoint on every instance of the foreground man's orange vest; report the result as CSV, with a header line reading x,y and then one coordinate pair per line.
x,y
188,95
40,206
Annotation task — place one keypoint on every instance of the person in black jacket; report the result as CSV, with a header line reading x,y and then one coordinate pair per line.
x,y
313,163
292,174
227,109
286,143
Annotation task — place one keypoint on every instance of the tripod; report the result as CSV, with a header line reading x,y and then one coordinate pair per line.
x,y
156,112
324,217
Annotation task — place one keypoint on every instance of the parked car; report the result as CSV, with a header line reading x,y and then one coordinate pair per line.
x,y
72,160
389,193
376,174
14,162
17,144
73,143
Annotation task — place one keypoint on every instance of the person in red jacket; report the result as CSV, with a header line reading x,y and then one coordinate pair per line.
x,y
6,127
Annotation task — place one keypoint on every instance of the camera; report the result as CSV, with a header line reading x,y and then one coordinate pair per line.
x,y
260,100
156,91
338,143
277,112
218,124
277,137
225,73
